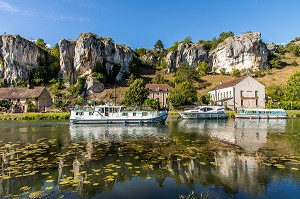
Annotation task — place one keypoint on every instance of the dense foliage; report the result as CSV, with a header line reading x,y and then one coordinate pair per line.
x,y
5,103
185,73
183,94
152,103
292,88
136,94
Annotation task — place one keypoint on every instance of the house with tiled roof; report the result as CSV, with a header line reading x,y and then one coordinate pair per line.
x,y
18,96
159,92
243,92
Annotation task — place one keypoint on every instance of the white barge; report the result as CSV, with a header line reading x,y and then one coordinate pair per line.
x,y
108,114
262,114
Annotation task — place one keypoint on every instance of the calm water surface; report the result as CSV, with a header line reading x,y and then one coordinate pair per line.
x,y
219,158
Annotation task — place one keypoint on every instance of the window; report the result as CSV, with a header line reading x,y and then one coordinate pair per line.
x,y
134,113
241,93
230,94
157,93
256,98
90,113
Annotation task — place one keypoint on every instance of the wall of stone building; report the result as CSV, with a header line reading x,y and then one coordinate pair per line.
x,y
253,91
162,97
44,100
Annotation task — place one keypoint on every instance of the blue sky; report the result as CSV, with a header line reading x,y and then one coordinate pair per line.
x,y
140,23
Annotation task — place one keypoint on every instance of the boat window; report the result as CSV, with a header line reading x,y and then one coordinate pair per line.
x,y
90,113
144,113
209,109
124,114
134,113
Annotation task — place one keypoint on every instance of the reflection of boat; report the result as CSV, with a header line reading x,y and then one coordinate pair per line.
x,y
107,114
114,132
262,114
205,112
248,134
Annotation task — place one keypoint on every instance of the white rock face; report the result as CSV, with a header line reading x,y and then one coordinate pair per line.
x,y
240,52
88,52
190,54
19,56
93,86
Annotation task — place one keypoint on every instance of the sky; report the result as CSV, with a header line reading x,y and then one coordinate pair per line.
x,y
140,23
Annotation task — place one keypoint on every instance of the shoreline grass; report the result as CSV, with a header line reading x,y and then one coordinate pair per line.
x,y
35,116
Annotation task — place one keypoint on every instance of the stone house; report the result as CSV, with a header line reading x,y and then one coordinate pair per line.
x,y
243,92
18,96
159,92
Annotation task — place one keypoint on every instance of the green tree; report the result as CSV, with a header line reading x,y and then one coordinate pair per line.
x,y
140,51
184,93
275,91
235,72
41,43
5,103
136,94
225,35
187,40
159,45
223,71
130,79
292,88
203,68
152,103
40,75
205,99
185,73
175,46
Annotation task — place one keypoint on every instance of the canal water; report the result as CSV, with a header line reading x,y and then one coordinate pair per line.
x,y
234,158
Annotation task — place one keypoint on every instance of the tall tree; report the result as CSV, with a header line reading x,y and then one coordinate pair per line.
x,y
136,94
185,73
292,88
183,93
159,45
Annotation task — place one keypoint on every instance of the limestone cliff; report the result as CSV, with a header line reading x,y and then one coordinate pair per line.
x,y
90,53
19,57
245,51
190,54
240,52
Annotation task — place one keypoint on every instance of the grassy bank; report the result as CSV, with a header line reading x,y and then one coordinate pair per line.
x,y
34,116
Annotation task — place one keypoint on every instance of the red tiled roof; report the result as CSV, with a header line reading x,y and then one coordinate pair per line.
x,y
20,93
158,87
227,84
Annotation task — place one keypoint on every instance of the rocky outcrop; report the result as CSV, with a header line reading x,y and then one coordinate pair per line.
x,y
190,54
89,54
19,57
245,51
93,86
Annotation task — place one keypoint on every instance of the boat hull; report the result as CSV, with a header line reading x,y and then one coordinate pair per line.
x,y
161,117
253,116
186,115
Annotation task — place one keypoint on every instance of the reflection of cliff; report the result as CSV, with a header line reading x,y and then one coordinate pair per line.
x,y
248,134
114,132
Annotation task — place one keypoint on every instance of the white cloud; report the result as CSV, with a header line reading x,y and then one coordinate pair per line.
x,y
7,7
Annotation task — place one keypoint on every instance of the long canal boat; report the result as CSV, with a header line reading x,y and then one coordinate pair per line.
x,y
107,114
262,114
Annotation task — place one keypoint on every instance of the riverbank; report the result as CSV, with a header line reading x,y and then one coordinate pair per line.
x,y
66,115
35,116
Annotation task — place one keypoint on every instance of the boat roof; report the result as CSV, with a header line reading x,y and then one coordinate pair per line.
x,y
108,106
254,109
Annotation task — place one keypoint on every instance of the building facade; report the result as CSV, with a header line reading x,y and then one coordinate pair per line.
x,y
159,92
244,92
18,96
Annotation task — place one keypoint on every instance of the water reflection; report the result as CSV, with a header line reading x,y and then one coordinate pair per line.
x,y
226,158
116,132
248,134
